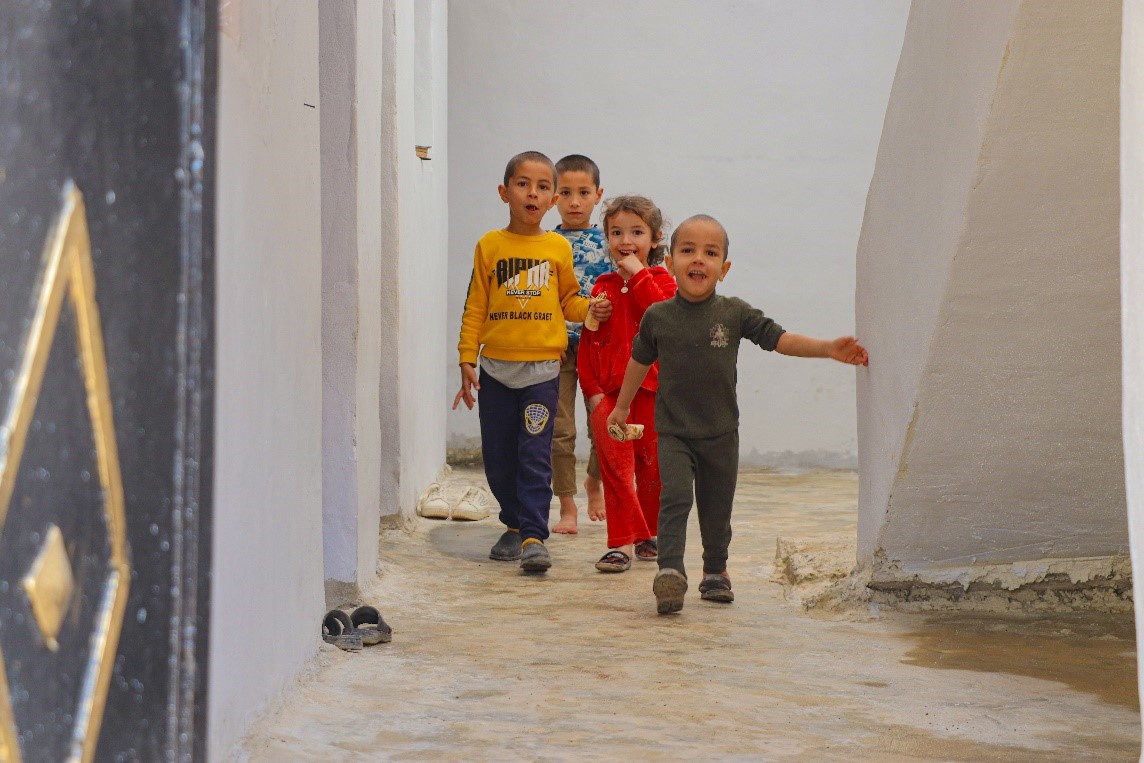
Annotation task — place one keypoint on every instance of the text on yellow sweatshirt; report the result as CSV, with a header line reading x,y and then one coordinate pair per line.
x,y
522,290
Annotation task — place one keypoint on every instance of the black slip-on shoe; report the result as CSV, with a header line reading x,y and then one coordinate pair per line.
x,y
507,549
535,557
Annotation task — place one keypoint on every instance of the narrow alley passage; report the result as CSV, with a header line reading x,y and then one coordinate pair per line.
x,y
489,664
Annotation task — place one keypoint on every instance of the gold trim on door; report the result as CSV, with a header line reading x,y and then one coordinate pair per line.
x,y
68,274
49,585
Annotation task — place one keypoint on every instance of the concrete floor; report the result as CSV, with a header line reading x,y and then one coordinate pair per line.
x,y
488,664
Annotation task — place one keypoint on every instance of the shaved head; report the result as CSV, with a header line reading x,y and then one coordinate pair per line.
x,y
702,219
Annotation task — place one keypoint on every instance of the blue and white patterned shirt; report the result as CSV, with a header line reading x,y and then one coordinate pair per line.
x,y
590,259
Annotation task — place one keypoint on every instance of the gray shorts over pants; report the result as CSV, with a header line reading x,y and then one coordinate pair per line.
x,y
703,470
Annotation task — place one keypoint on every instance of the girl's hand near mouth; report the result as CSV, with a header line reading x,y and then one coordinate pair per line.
x,y
628,265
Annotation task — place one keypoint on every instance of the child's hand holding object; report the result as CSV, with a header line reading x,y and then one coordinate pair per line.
x,y
600,310
624,432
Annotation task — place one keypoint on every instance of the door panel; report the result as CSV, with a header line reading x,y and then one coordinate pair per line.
x,y
106,377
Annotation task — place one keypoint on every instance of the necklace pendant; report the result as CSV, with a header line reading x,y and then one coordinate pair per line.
x,y
624,289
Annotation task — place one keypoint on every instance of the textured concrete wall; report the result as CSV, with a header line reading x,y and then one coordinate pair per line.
x,y
351,73
267,559
1132,280
418,194
773,129
340,320
331,265
384,214
988,294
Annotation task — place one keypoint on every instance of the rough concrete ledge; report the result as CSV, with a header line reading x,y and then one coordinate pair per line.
x,y
341,594
1095,583
1052,594
460,458
822,575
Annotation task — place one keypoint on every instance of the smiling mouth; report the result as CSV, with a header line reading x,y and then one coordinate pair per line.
x,y
697,275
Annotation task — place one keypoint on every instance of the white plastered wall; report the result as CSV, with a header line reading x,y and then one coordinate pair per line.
x,y
267,563
1132,280
764,114
988,291
351,66
384,226
415,260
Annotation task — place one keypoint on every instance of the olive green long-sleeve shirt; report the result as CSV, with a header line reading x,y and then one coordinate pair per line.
x,y
697,346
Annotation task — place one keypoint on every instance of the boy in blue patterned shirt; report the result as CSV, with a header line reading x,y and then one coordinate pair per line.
x,y
578,192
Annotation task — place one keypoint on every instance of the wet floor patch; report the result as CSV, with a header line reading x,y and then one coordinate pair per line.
x,y
1095,654
470,541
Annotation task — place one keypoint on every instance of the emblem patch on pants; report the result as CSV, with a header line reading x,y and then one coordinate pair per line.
x,y
535,417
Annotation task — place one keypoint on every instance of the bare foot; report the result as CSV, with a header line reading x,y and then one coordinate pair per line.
x,y
595,490
567,523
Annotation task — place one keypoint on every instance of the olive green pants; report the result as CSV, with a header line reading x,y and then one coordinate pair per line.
x,y
702,471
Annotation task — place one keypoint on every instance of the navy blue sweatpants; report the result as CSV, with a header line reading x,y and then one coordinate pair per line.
x,y
516,441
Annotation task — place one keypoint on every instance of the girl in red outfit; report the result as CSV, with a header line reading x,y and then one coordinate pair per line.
x,y
629,470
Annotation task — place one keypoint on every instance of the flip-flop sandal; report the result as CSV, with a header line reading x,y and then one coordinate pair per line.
x,y
647,550
338,629
368,623
614,561
716,588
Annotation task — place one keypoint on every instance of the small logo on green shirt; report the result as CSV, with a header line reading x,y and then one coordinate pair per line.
x,y
719,335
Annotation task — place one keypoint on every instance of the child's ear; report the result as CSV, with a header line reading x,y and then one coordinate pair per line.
x,y
667,262
503,193
726,267
599,194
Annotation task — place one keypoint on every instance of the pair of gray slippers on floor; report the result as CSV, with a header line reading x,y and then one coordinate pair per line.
x,y
350,632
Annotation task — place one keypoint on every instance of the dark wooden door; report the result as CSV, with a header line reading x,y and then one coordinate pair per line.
x,y
106,360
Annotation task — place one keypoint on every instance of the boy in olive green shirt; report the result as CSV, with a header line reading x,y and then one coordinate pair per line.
x,y
695,338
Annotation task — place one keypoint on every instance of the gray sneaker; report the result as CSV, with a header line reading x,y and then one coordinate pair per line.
x,y
507,549
535,557
669,586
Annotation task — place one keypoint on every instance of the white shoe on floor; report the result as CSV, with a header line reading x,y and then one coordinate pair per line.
x,y
432,503
474,505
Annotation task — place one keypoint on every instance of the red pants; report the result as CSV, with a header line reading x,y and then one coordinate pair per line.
x,y
629,471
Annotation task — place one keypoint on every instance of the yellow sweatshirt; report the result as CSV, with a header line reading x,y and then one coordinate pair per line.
x,y
522,290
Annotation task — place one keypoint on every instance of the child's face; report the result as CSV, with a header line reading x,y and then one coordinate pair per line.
x,y
529,194
699,259
576,197
629,235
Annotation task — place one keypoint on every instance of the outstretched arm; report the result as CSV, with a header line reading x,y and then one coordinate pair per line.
x,y
633,378
844,349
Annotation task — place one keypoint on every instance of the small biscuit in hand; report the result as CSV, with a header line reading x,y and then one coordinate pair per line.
x,y
626,432
590,321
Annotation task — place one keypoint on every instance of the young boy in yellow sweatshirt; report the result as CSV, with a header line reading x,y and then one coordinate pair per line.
x,y
522,290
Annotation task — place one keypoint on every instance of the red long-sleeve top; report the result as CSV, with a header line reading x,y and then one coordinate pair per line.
x,y
604,354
